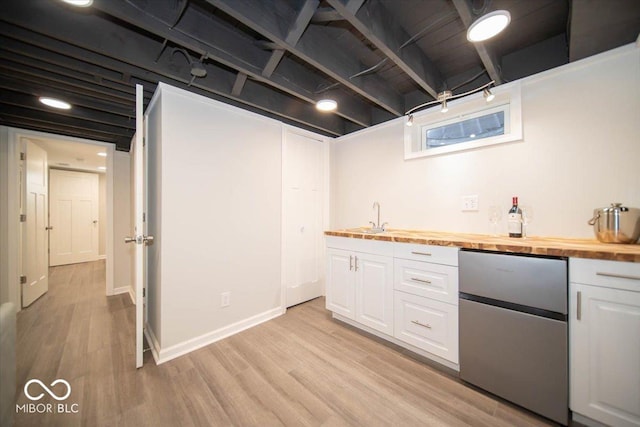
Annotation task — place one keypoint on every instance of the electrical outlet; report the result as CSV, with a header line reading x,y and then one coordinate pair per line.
x,y
470,203
225,299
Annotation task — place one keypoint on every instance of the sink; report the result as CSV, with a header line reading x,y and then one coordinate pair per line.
x,y
373,230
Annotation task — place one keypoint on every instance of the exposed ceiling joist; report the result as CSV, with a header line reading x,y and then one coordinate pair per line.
x,y
373,21
487,57
316,48
222,44
296,29
102,36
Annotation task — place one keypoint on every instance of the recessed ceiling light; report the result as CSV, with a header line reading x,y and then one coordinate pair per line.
x,y
55,103
79,3
102,154
326,105
488,25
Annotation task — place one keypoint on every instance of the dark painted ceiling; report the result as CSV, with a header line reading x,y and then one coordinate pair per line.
x,y
377,58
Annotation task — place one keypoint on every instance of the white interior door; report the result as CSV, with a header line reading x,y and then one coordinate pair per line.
x,y
139,239
302,217
74,205
35,235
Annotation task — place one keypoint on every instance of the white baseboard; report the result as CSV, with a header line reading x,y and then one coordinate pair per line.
x,y
153,343
132,295
166,354
120,290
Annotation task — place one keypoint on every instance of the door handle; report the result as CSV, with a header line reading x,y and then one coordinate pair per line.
x,y
130,239
95,221
148,240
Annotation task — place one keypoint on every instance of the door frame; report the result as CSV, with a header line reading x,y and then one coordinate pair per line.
x,y
13,209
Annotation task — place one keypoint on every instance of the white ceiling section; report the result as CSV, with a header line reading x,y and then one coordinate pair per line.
x,y
376,58
73,155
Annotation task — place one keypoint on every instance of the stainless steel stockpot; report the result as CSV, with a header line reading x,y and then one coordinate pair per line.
x,y
616,224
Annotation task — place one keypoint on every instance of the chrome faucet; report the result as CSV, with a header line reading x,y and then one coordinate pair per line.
x,y
377,227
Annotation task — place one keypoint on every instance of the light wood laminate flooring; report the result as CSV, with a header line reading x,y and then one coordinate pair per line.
x,y
301,369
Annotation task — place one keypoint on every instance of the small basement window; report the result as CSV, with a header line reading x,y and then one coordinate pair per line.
x,y
470,123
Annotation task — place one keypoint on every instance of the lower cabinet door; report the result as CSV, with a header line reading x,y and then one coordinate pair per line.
x,y
374,291
604,346
341,290
427,324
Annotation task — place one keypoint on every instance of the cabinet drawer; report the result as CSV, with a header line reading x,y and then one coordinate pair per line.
x,y
426,279
427,324
609,274
429,253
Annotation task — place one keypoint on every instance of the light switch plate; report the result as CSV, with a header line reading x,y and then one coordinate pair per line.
x,y
470,203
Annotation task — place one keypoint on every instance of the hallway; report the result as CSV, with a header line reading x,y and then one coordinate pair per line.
x,y
299,369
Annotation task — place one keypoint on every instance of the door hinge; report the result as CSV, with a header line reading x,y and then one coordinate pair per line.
x,y
23,217
144,292
23,280
23,156
144,217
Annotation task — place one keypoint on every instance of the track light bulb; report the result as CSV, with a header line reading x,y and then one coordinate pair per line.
x,y
488,96
410,120
444,108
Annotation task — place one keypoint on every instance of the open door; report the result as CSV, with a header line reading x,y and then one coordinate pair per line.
x,y
35,276
140,239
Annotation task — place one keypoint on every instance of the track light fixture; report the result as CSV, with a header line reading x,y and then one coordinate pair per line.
x,y
442,97
447,95
488,96
410,120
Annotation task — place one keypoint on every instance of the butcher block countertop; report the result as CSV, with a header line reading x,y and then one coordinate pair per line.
x,y
578,248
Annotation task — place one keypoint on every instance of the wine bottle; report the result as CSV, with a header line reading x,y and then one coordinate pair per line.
x,y
514,220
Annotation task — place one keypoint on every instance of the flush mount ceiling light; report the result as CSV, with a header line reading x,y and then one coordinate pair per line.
x,y
488,25
326,105
447,95
79,3
55,103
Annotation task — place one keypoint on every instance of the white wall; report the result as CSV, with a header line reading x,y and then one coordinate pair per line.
x,y
580,152
154,218
102,215
121,222
220,210
4,216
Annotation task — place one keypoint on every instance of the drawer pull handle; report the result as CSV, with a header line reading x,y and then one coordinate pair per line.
x,y
424,325
421,253
415,279
617,276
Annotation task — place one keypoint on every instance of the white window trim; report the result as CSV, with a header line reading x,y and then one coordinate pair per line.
x,y
462,109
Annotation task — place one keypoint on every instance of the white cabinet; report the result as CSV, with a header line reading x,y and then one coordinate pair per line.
x,y
341,283
360,282
427,324
605,341
426,298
